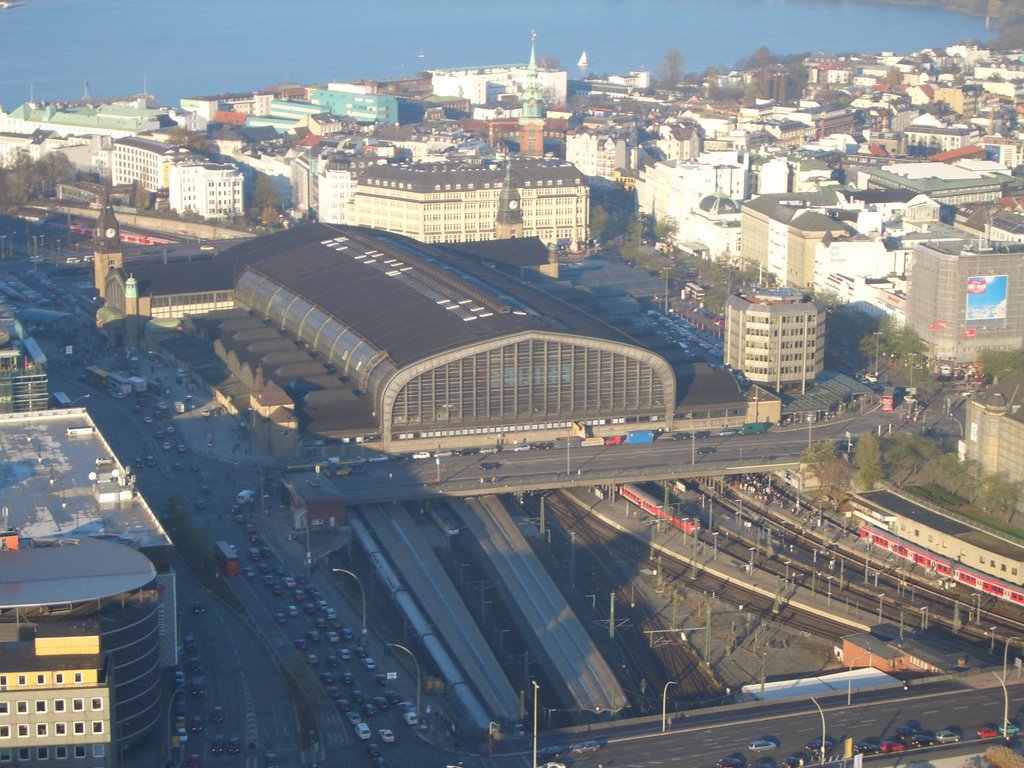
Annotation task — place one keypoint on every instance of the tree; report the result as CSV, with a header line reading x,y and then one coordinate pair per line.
x,y
833,472
868,459
665,228
193,140
1000,495
599,221
264,196
907,454
671,70
998,363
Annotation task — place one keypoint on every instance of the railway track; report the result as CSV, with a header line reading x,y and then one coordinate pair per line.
x,y
604,566
882,574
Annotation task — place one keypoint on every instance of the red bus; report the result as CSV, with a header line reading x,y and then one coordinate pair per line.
x,y
226,557
889,399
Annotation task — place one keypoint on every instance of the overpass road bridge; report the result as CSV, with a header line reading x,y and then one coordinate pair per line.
x,y
511,471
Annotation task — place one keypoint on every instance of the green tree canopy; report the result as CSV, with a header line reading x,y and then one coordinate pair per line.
x,y
868,459
998,363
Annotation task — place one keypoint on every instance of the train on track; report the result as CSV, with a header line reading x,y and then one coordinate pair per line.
x,y
648,504
943,566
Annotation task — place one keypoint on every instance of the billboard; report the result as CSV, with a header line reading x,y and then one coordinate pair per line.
x,y
986,302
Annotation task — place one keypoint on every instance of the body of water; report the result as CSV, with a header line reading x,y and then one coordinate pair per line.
x,y
49,48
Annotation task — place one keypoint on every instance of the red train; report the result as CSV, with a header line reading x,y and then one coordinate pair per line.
x,y
634,495
945,567
126,237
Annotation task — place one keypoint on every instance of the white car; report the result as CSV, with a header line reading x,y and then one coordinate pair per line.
x,y
584,747
369,663
386,735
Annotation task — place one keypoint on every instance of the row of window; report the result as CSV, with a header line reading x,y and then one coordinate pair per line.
x,y
59,678
59,705
25,730
75,751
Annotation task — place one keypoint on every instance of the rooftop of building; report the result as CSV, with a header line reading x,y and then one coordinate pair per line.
x,y
67,570
774,296
55,487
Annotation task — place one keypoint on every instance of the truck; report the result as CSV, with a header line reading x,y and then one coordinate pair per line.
x,y
591,442
138,383
754,429
613,440
640,437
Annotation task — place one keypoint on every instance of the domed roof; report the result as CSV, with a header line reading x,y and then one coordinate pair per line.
x,y
719,204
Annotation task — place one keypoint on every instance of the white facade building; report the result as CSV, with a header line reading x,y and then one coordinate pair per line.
x,y
210,190
482,85
597,154
675,189
145,161
336,187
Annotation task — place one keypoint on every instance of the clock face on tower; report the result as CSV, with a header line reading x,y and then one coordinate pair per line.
x,y
513,204
111,232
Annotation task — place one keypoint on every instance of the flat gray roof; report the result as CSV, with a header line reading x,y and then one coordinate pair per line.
x,y
45,483
62,571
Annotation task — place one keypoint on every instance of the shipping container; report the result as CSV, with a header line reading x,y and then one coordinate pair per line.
x,y
754,429
640,437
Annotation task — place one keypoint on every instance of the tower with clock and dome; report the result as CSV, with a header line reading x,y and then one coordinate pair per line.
x,y
108,255
509,221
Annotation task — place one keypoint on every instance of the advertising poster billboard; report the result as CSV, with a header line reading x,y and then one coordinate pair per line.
x,y
986,302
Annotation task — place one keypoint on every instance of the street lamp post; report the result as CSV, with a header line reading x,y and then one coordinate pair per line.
x,y
664,706
80,397
416,662
1006,698
714,540
823,732
787,564
992,641
362,593
536,701
877,335
752,549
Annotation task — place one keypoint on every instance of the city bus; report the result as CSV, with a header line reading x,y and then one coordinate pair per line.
x,y
96,375
889,399
60,400
693,292
226,558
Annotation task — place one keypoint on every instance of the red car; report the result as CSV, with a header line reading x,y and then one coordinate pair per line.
x,y
892,746
987,732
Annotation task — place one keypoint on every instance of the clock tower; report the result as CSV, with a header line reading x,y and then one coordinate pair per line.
x,y
509,222
106,246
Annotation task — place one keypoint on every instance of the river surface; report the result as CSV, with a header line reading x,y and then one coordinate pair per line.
x,y
49,49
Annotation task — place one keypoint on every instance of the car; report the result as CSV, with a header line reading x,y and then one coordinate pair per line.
x,y
408,706
552,765
194,762
946,736
762,745
368,709
814,745
922,740
335,692
386,735
490,465
346,634
313,636
280,618
866,748
190,643
906,732
300,644
327,678
378,762
343,704
201,505
203,489
348,678
309,609
354,717
166,446
585,747
1010,729
289,581
392,696
357,695
182,734
344,654
312,659
987,732
271,760
552,750
182,448
233,746
373,749
217,745
217,714
332,661
249,571
381,703
196,724
796,760
705,451
369,663
332,636
892,746
179,677
361,652
150,461
729,762
292,610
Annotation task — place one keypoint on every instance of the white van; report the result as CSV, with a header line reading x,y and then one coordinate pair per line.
x,y
363,731
245,497
411,718
421,455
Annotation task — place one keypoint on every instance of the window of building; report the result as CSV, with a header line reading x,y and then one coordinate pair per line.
x,y
42,753
97,726
4,707
5,755
78,677
24,754
58,678
23,730
41,729
58,705
98,750
40,705
61,753
78,705
22,680
40,679
22,707
60,729
3,681
97,704
79,750
79,728
5,731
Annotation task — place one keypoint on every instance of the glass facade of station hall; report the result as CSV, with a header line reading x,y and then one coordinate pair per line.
x,y
536,381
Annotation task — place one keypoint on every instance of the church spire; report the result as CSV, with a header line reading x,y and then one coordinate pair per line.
x,y
531,120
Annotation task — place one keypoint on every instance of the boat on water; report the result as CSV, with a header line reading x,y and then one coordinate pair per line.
x,y
5,4
583,60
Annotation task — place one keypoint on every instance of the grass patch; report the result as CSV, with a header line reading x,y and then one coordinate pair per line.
x,y
937,495
298,677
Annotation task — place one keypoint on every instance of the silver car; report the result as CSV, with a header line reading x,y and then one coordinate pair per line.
x,y
761,745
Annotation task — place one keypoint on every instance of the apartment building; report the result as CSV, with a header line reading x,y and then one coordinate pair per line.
x,y
210,190
145,161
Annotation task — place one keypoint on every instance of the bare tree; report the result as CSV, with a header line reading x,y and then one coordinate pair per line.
x,y
672,69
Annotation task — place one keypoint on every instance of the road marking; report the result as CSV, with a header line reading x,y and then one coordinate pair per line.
x,y
930,711
251,725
